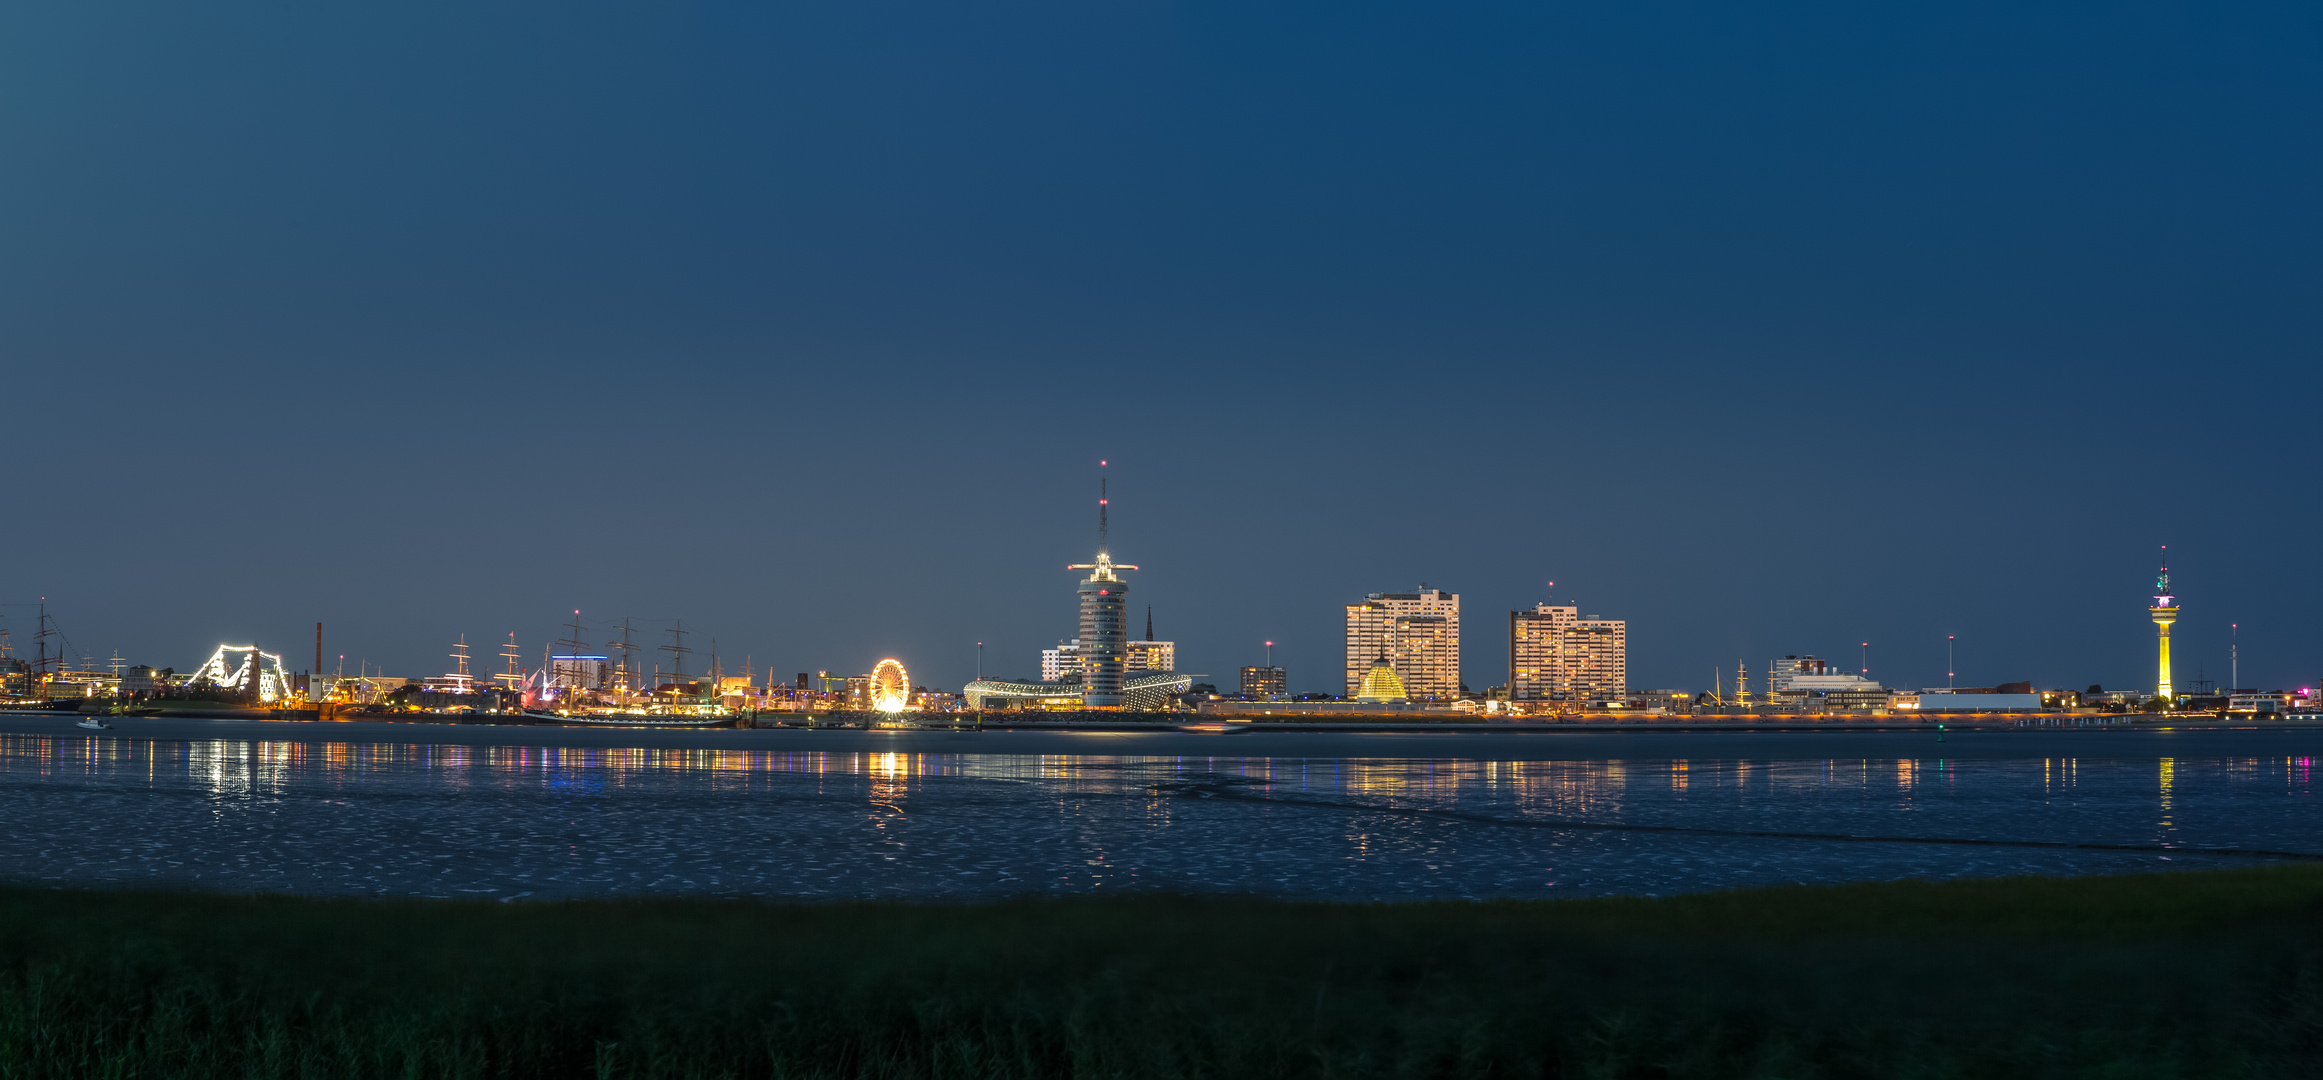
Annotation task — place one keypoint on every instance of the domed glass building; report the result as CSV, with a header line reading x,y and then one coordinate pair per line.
x,y
1381,684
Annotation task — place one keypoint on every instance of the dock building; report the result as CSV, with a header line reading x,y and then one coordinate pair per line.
x,y
1808,682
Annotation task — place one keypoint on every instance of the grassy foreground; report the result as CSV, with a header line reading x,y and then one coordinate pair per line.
x,y
2208,974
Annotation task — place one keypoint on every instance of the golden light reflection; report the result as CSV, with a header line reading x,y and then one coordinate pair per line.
x,y
1159,786
2169,777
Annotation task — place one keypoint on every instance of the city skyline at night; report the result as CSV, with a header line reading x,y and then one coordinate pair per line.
x,y
1770,330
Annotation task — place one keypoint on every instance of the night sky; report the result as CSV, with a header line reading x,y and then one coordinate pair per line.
x,y
1771,328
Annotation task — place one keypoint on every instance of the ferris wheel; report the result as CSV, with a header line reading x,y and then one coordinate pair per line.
x,y
890,687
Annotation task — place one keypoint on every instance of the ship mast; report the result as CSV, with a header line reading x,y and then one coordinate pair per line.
x,y
677,651
514,676
625,671
460,677
575,647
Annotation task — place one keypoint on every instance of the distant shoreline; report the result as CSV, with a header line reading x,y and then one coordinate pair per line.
x,y
1474,741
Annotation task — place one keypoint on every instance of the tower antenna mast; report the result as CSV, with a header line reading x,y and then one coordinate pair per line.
x,y
2164,612
1103,600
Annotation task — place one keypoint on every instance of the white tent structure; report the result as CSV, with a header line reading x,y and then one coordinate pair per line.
x,y
258,672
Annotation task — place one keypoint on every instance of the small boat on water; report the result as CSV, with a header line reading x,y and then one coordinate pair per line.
x,y
94,723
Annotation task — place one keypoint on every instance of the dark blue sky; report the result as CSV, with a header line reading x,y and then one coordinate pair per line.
x,y
1771,328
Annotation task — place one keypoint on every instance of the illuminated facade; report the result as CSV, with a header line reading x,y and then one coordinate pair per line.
x,y
1554,654
579,671
1536,640
1104,636
1067,660
1380,684
1417,633
1139,693
1263,683
261,673
1151,655
2165,612
1061,661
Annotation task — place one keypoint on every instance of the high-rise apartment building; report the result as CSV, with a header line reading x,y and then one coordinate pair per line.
x,y
1061,661
1150,655
1417,633
1068,659
1555,654
1264,683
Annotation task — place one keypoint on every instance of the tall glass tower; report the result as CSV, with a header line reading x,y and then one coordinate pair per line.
x,y
1104,633
2165,612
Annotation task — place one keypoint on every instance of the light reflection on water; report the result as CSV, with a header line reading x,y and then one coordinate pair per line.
x,y
510,822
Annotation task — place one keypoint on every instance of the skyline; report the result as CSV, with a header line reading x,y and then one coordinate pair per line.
x,y
1767,330
1478,668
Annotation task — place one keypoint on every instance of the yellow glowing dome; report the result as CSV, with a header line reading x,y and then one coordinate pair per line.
x,y
1381,683
890,687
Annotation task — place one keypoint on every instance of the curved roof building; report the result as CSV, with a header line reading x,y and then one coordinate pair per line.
x,y
1149,692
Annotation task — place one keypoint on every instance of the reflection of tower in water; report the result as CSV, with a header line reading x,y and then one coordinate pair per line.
x,y
2169,777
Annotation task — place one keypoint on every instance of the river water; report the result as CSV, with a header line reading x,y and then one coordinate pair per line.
x,y
793,819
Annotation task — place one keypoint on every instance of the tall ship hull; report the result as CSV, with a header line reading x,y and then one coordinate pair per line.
x,y
632,720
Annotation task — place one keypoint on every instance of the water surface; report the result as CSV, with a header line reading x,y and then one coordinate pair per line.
x,y
513,822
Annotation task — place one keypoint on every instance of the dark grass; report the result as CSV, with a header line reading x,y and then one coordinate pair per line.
x,y
2194,974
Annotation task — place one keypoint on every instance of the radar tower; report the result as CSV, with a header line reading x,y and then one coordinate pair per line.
x,y
1104,596
2165,612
